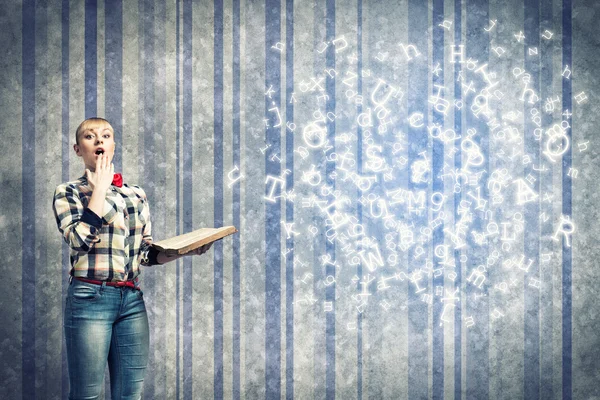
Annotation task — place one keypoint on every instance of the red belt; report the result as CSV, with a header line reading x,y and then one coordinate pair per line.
x,y
130,284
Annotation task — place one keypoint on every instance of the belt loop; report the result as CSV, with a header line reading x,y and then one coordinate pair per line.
x,y
103,286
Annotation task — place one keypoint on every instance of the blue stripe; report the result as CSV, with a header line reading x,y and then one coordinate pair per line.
x,y
66,149
418,363
319,360
42,359
317,246
178,201
289,210
148,168
567,391
374,227
359,146
91,67
547,306
477,384
159,209
438,186
272,210
218,198
113,89
187,195
329,168
319,355
457,198
147,106
236,324
28,271
531,345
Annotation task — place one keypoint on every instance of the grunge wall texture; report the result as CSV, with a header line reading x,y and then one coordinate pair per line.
x,y
211,103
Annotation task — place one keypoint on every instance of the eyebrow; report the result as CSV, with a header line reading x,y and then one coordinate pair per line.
x,y
94,131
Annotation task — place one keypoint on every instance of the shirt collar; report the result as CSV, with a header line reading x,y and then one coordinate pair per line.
x,y
84,181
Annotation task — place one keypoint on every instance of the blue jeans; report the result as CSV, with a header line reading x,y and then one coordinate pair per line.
x,y
105,323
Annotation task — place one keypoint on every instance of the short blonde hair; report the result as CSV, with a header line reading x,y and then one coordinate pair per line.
x,y
92,123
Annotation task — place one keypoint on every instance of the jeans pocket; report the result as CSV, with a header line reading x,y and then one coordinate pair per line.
x,y
82,293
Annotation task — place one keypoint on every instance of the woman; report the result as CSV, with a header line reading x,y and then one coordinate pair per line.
x,y
106,224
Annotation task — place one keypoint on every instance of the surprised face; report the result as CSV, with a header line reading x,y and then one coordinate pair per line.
x,y
93,142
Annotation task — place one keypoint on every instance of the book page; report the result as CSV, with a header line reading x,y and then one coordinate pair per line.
x,y
187,242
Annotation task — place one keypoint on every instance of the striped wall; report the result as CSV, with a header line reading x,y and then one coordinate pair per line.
x,y
212,104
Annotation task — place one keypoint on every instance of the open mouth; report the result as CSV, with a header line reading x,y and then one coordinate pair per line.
x,y
100,151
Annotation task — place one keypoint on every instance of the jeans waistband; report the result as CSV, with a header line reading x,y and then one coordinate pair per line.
x,y
130,284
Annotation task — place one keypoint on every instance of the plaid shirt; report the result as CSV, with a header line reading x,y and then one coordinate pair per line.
x,y
111,247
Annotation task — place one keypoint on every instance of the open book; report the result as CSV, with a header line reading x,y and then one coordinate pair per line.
x,y
187,242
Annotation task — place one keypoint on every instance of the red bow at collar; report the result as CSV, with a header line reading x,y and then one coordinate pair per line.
x,y
117,180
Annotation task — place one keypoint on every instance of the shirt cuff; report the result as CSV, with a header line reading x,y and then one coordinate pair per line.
x,y
91,218
152,256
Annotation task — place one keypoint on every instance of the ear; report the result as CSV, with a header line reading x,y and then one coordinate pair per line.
x,y
76,148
